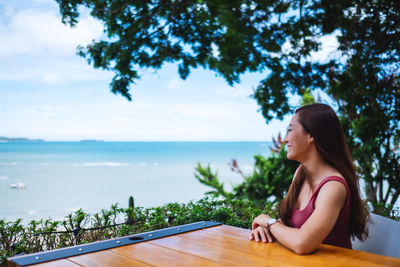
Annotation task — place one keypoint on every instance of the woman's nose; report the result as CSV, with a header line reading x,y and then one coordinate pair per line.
x,y
285,139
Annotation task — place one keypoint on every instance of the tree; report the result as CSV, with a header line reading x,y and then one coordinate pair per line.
x,y
367,90
232,37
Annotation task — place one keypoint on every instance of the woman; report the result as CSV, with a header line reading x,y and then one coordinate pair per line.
x,y
323,203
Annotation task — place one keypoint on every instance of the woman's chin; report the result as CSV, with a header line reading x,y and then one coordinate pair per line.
x,y
290,156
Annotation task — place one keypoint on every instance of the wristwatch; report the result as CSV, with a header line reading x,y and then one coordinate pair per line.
x,y
271,222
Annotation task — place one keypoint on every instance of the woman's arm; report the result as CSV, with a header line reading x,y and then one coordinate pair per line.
x,y
329,202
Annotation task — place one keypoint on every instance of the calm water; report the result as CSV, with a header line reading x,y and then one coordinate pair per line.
x,y
61,177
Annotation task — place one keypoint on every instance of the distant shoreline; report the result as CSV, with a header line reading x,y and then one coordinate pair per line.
x,y
27,140
19,140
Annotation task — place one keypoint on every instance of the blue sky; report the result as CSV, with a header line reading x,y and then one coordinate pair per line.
x,y
48,92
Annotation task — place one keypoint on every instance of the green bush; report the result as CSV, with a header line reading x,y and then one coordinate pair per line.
x,y
269,181
386,210
15,237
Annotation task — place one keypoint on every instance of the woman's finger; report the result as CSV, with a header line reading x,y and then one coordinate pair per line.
x,y
254,225
268,234
262,234
251,235
256,236
259,234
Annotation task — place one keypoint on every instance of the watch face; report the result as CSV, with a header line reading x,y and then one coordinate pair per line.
x,y
271,221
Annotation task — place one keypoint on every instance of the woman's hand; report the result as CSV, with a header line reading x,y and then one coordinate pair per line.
x,y
261,233
260,220
260,229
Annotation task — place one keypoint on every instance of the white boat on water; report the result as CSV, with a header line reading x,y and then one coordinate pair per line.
x,y
18,186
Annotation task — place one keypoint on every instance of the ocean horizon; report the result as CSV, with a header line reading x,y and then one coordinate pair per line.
x,y
61,177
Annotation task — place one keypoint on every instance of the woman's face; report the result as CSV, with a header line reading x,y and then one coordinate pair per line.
x,y
297,140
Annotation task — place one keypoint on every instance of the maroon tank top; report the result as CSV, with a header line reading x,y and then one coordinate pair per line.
x,y
339,235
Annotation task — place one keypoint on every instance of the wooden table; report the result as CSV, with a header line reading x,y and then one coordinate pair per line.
x,y
219,245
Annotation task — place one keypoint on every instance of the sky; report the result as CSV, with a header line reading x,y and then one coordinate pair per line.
x,y
48,92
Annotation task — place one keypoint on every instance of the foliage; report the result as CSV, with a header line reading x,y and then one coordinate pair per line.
x,y
370,117
267,184
271,178
205,176
388,211
15,237
307,98
229,37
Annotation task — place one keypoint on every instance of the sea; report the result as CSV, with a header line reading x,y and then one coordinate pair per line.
x,y
59,178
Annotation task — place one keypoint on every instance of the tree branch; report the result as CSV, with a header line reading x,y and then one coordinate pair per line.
x,y
387,194
395,197
371,193
114,11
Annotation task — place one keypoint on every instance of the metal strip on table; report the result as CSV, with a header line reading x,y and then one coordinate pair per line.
x,y
108,244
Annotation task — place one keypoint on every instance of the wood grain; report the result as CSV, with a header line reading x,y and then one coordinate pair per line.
x,y
105,258
161,256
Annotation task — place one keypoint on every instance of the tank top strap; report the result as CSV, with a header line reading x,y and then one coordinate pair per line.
x,y
324,181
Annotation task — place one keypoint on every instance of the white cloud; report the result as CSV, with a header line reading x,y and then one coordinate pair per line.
x,y
52,79
44,112
239,91
177,84
33,32
148,120
51,70
39,48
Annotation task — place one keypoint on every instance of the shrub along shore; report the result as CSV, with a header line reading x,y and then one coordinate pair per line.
x,y
80,227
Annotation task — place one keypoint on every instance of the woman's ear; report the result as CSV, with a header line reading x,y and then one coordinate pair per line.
x,y
310,139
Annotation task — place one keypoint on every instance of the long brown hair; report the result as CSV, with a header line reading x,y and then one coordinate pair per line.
x,y
322,123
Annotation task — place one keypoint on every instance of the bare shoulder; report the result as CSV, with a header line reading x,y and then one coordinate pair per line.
x,y
332,193
334,186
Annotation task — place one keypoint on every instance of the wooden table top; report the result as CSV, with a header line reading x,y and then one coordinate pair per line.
x,y
218,246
